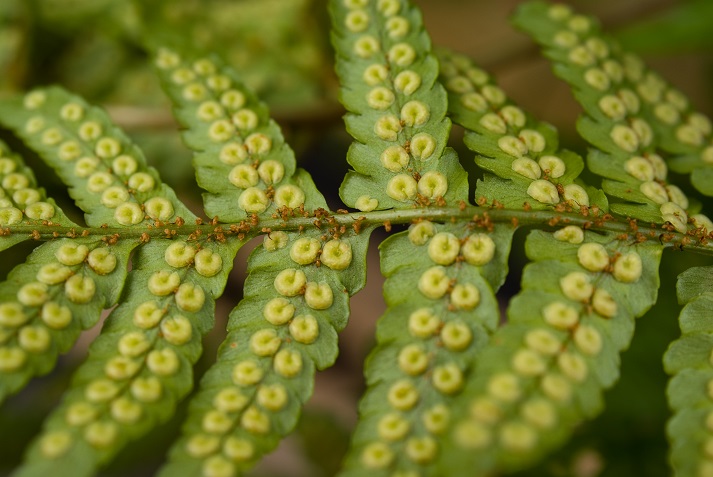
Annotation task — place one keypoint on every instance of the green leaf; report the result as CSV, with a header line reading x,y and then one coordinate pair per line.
x,y
240,155
524,154
545,370
277,45
678,29
141,364
50,299
693,282
426,341
295,301
22,202
702,178
397,109
106,173
632,113
688,361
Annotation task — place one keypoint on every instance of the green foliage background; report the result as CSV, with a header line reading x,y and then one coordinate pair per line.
x,y
93,47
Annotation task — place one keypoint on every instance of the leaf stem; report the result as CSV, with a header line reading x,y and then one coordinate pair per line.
x,y
337,223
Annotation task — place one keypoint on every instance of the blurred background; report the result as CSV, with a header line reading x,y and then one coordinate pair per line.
x,y
281,48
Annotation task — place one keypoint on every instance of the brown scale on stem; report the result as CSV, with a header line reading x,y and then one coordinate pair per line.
x,y
111,239
422,201
357,224
665,238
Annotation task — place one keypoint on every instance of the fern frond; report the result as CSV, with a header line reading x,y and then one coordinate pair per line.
x,y
532,172
427,341
279,44
50,299
59,291
141,364
632,116
22,202
545,370
397,109
240,154
397,116
296,295
452,389
296,300
690,390
106,173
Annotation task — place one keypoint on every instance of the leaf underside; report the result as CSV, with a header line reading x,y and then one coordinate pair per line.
x,y
453,388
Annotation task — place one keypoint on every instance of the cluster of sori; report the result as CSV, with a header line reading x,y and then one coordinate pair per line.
x,y
508,142
298,286
440,281
241,156
20,198
48,301
107,173
560,347
397,109
295,302
690,393
545,369
141,363
634,116
22,202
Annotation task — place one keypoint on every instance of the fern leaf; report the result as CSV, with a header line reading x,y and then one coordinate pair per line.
x,y
47,301
632,116
427,341
296,294
544,371
521,151
106,173
22,202
397,109
688,360
141,364
63,286
240,154
296,300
